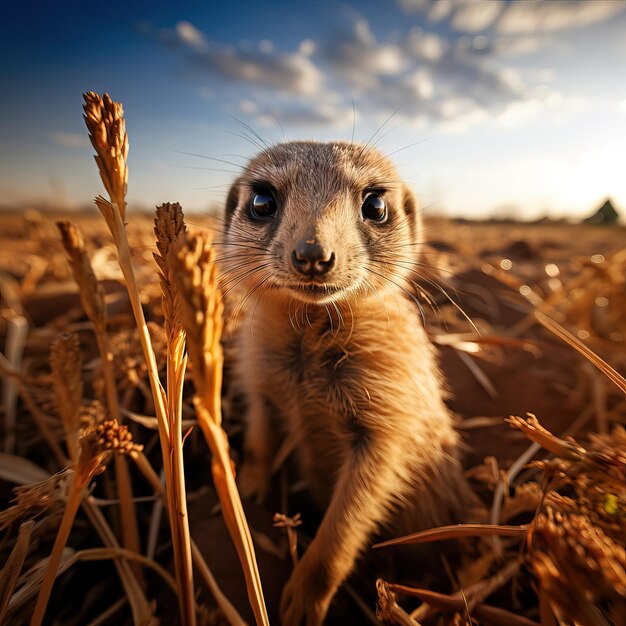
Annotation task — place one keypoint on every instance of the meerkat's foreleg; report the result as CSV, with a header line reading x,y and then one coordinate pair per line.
x,y
370,478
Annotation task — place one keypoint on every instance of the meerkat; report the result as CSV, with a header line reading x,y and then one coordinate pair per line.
x,y
321,239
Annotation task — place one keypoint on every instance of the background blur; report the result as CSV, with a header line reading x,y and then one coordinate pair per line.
x,y
489,107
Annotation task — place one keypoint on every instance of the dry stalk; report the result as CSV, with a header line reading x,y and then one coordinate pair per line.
x,y
91,461
476,593
106,126
92,299
38,416
457,531
168,225
195,273
12,568
615,377
142,611
67,383
289,524
489,614
388,609
226,607
34,499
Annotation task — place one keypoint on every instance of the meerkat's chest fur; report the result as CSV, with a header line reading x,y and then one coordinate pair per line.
x,y
338,382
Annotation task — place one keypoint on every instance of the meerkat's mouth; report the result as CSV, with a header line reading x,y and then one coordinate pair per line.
x,y
315,293
317,288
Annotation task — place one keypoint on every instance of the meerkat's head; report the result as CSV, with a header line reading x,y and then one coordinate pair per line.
x,y
320,221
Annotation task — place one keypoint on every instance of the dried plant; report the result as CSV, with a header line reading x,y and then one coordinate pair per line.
x,y
289,524
12,568
92,299
91,461
107,131
36,499
67,382
90,290
168,225
195,273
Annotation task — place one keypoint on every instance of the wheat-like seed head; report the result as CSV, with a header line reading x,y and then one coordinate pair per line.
x,y
92,413
33,500
107,131
98,442
576,562
193,263
113,436
169,223
91,291
66,366
535,431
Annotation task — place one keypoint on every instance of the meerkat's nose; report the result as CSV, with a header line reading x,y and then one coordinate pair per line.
x,y
311,258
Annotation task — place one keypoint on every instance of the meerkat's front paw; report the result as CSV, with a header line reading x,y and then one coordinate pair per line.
x,y
306,597
253,480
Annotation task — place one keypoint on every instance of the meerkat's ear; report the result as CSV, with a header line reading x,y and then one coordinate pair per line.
x,y
412,211
232,199
408,201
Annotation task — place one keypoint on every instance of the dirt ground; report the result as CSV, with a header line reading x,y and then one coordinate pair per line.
x,y
497,360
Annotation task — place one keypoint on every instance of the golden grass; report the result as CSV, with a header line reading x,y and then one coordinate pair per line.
x,y
195,275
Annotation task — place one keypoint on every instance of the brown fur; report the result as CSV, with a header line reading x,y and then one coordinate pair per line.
x,y
351,372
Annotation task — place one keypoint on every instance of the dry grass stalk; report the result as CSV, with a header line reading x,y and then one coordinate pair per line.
x,y
490,614
617,379
35,499
456,531
168,225
142,611
12,568
195,272
107,131
90,289
91,461
92,299
535,431
17,332
106,126
289,524
67,383
97,444
40,419
224,604
388,609
476,593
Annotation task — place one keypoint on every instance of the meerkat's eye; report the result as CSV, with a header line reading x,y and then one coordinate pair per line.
x,y
263,206
374,208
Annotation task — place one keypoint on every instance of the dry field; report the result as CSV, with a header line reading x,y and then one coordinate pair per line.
x,y
118,501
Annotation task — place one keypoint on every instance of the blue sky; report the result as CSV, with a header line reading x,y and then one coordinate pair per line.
x,y
488,106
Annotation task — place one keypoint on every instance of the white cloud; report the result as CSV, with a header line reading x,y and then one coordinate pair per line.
x,y
519,46
360,59
324,112
440,10
290,72
307,47
419,76
621,107
427,46
190,35
69,140
538,16
476,15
